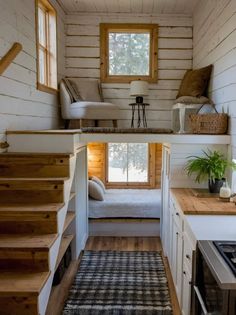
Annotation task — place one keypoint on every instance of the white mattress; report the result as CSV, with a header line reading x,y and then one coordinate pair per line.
x,y
127,203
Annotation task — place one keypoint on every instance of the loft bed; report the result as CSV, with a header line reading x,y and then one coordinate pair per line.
x,y
127,203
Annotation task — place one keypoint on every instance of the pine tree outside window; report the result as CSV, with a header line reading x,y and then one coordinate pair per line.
x,y
128,52
46,46
128,163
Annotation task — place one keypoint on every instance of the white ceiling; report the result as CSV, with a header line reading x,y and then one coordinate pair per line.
x,y
130,6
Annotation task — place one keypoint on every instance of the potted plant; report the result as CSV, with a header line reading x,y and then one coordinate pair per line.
x,y
211,167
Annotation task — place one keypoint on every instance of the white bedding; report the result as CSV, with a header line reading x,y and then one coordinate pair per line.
x,y
127,203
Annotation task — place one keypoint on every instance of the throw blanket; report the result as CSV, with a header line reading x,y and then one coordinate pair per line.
x,y
72,90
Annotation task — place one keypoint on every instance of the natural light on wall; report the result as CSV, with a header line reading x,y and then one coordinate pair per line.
x,y
128,162
46,46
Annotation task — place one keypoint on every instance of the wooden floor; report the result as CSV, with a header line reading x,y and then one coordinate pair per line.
x,y
60,292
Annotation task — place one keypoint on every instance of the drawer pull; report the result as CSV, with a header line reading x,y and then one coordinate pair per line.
x,y
184,272
177,213
188,257
177,233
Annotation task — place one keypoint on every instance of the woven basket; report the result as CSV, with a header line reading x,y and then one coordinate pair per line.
x,y
209,123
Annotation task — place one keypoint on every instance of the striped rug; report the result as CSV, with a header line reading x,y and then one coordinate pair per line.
x,y
119,283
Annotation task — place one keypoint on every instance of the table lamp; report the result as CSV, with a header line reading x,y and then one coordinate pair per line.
x,y
139,89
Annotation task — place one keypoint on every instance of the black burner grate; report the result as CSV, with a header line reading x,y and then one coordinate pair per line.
x,y
227,249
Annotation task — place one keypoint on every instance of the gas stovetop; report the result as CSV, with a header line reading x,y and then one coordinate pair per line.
x,y
227,249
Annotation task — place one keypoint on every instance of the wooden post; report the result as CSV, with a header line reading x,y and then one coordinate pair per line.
x,y
9,57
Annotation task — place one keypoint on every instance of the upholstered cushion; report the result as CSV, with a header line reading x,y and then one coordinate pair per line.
x,y
95,190
65,100
193,100
195,82
93,110
99,182
89,90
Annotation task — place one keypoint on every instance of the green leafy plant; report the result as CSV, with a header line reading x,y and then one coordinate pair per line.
x,y
209,167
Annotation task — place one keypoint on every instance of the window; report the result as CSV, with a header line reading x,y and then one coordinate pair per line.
x,y
46,46
128,163
128,52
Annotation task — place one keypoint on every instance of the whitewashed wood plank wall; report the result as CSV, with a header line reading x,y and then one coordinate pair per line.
x,y
22,106
215,42
174,58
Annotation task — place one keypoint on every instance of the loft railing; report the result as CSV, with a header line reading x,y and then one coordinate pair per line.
x,y
9,57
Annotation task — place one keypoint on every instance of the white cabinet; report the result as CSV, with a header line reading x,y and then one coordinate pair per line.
x,y
165,215
176,249
180,259
186,291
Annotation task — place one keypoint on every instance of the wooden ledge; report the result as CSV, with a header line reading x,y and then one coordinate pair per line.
x,y
44,132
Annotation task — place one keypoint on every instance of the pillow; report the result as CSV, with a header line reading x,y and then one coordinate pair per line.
x,y
72,89
193,100
89,90
195,82
95,191
99,182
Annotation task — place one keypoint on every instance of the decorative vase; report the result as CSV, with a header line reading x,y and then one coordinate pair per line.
x,y
225,191
215,185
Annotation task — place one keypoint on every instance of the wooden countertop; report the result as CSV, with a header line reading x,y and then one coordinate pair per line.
x,y
191,204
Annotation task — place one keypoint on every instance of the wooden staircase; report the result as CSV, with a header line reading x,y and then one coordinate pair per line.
x,y
34,196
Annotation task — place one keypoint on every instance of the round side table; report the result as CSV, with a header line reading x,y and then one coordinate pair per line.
x,y
141,107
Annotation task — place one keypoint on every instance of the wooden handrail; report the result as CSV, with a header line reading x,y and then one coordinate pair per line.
x,y
9,57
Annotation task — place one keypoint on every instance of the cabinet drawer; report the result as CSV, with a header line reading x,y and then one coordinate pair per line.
x,y
188,253
186,291
177,215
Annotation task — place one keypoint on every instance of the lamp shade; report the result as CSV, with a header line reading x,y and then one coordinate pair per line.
x,y
138,88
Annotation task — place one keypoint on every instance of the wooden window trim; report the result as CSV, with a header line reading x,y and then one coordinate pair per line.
x,y
104,60
48,8
44,88
135,185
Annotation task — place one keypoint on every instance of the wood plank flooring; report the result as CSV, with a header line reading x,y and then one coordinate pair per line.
x,y
60,292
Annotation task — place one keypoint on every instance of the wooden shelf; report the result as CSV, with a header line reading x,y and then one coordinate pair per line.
x,y
59,293
70,216
72,195
65,242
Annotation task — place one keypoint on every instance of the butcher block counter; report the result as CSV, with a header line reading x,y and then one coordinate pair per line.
x,y
192,205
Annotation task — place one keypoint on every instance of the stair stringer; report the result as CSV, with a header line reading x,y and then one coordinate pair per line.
x,y
44,295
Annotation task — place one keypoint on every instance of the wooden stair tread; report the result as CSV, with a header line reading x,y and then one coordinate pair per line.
x,y
27,241
45,207
20,283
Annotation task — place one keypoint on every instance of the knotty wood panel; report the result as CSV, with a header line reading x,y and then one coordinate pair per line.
x,y
158,165
97,162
